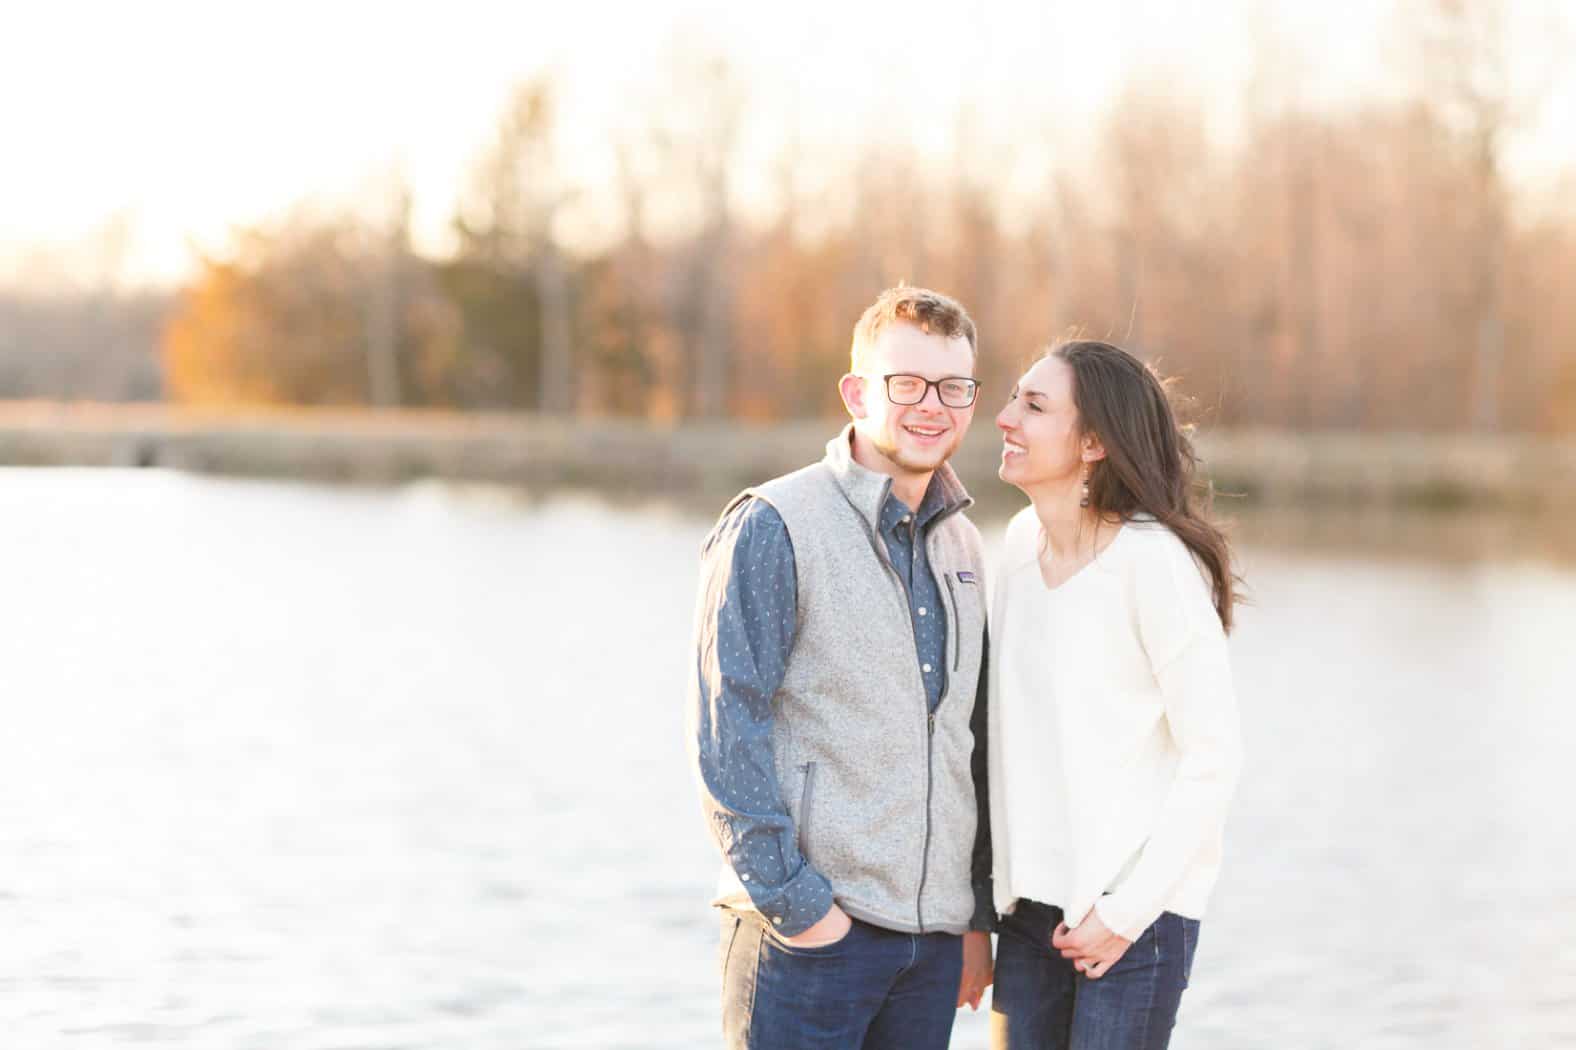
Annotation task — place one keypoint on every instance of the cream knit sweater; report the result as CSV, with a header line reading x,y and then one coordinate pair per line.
x,y
1114,739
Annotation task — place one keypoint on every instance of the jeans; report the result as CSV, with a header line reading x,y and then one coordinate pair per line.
x,y
874,989
1041,1003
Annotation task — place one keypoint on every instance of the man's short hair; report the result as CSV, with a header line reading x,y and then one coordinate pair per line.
x,y
929,311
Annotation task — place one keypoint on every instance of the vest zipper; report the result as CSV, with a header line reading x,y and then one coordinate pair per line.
x,y
924,864
930,718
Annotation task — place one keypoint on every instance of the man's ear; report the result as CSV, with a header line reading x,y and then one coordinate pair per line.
x,y
852,388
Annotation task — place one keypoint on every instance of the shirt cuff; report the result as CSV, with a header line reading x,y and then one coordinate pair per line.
x,y
801,902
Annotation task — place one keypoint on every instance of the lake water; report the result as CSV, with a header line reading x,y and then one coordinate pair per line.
x,y
308,767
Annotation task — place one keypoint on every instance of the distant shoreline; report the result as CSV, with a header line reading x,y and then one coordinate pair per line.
x,y
711,460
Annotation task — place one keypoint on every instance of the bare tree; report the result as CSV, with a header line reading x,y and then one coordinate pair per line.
x,y
518,194
1467,76
717,95
383,314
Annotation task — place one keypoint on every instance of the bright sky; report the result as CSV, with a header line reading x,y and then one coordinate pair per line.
x,y
173,122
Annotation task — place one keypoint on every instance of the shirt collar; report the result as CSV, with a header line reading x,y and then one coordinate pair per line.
x,y
894,512
869,491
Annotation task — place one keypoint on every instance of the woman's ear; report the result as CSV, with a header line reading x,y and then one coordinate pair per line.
x,y
852,388
1093,450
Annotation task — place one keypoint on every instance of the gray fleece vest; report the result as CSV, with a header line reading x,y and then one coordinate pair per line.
x,y
881,795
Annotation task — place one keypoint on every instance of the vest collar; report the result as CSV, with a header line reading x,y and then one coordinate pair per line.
x,y
867,490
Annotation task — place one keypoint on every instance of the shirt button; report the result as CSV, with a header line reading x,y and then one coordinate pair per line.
x,y
926,668
922,610
744,878
777,920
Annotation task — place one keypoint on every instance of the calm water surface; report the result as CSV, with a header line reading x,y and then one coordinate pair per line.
x,y
305,767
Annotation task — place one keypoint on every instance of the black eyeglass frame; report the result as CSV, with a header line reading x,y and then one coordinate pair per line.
x,y
974,388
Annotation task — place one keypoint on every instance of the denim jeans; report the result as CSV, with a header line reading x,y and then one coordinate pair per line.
x,y
1041,1003
875,989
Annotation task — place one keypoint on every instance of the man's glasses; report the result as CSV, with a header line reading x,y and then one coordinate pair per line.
x,y
954,391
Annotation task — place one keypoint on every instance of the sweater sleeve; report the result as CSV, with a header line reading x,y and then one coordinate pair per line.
x,y
1186,646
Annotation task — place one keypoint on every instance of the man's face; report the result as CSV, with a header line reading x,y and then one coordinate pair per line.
x,y
915,438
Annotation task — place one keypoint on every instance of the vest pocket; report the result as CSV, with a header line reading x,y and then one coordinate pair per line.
x,y
804,805
955,628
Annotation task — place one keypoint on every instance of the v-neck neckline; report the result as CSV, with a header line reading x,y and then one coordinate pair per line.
x,y
1039,569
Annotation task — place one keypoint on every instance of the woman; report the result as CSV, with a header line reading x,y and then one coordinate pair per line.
x,y
1114,744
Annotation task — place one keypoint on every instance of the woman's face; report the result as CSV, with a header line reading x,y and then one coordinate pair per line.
x,y
1041,440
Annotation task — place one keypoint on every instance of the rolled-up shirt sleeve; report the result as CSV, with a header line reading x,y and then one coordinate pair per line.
x,y
744,628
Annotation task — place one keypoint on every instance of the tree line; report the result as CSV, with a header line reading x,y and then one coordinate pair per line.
x,y
1369,267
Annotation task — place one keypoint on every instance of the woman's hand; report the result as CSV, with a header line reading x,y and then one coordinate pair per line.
x,y
1092,947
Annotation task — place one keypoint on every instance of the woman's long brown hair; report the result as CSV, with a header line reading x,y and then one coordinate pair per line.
x,y
1149,465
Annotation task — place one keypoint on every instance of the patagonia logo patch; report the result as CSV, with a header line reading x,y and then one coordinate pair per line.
x,y
966,577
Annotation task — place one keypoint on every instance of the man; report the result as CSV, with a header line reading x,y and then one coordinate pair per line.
x,y
837,713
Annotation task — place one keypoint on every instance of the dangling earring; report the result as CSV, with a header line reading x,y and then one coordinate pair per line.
x,y
1084,502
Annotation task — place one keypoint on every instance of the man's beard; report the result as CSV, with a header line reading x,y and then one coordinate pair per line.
x,y
896,454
